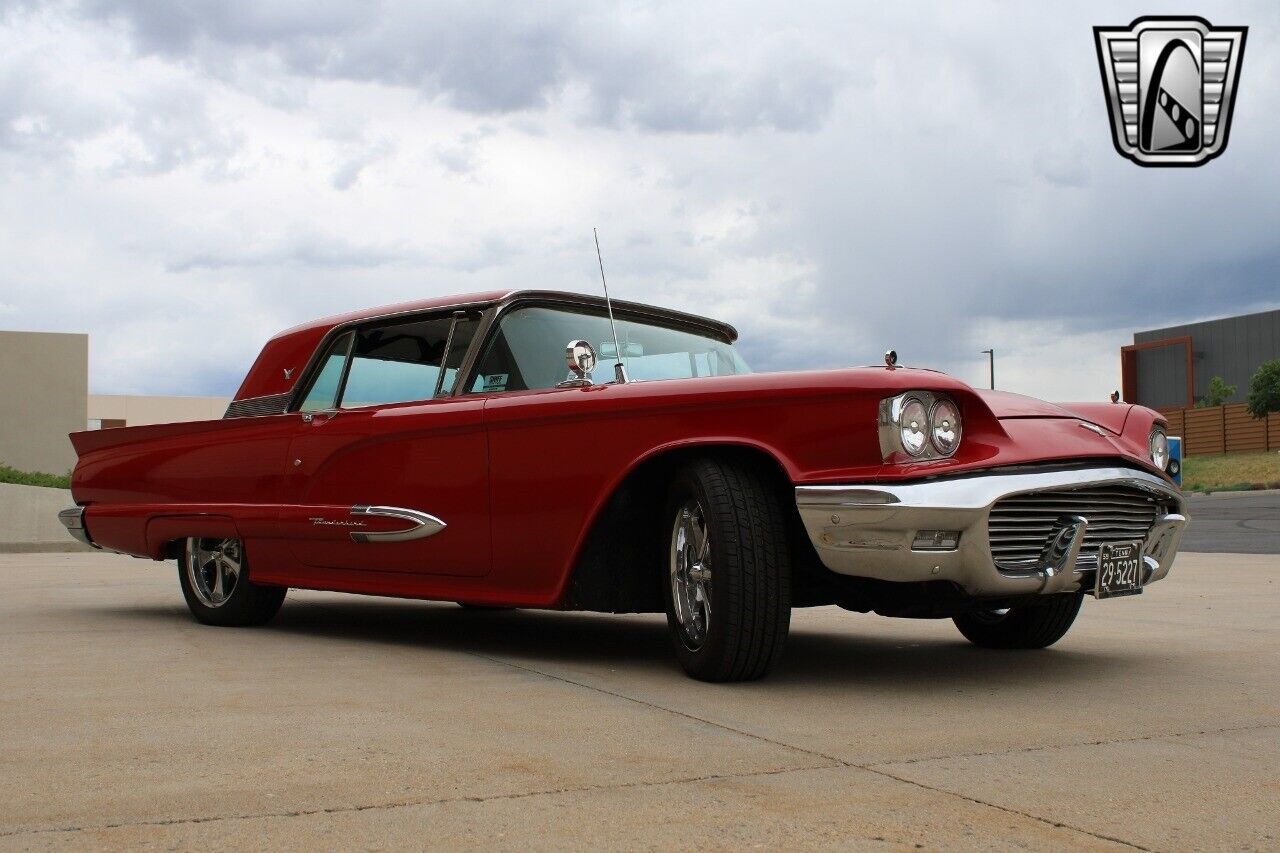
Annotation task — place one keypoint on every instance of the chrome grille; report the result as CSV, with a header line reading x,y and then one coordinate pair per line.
x,y
1019,525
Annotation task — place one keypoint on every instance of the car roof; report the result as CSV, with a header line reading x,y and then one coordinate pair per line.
x,y
282,358
417,306
487,298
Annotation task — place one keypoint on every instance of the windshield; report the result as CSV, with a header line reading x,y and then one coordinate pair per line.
x,y
528,350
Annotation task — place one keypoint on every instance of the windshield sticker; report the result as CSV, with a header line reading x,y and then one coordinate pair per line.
x,y
495,382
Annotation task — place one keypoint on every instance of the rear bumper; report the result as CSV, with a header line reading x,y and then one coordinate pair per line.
x,y
73,520
870,530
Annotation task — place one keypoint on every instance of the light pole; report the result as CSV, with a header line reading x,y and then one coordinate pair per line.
x,y
991,360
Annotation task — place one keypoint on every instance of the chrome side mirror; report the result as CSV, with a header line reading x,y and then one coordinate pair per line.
x,y
581,358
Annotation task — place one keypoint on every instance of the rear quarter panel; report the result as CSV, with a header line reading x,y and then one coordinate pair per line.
x,y
208,471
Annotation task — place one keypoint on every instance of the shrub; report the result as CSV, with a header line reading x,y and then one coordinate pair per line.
x,y
1264,390
34,478
1219,393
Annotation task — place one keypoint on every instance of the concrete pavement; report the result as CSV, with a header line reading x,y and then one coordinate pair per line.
x,y
1234,522
364,722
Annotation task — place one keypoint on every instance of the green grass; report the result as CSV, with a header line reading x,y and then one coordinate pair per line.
x,y
34,478
1231,472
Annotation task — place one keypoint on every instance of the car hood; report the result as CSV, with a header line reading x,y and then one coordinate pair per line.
x,y
1005,405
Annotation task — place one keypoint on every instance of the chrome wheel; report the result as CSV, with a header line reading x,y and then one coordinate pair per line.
x,y
213,569
691,574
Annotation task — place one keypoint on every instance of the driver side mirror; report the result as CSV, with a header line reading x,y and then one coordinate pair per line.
x,y
581,358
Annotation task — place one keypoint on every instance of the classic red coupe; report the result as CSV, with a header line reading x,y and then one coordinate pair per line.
x,y
456,449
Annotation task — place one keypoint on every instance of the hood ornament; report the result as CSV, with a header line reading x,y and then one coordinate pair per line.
x,y
891,359
1093,428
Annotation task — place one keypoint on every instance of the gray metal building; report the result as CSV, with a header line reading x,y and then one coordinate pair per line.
x,y
1171,367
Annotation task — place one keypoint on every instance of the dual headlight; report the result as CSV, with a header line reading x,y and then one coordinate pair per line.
x,y
1158,445
921,424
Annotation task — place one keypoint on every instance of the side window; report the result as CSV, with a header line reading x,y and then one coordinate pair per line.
x,y
323,393
402,363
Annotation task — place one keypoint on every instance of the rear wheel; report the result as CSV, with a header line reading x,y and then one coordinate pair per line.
x,y
1034,626
728,584
215,582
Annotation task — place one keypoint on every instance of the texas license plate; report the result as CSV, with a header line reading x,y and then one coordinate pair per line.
x,y
1119,570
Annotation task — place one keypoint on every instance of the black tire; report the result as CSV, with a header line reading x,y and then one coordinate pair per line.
x,y
1035,626
247,603
749,591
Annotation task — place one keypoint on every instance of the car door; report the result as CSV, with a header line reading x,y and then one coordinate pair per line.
x,y
383,474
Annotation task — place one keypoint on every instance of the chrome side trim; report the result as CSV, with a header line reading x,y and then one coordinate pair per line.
x,y
424,524
73,520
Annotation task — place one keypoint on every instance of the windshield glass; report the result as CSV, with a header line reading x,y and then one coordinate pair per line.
x,y
528,350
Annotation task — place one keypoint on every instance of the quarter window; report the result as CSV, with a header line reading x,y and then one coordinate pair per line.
x,y
323,393
402,363
398,363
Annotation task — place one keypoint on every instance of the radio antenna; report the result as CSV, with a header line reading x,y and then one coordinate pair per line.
x,y
619,369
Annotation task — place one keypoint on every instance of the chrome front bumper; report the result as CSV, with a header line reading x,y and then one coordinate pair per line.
x,y
870,530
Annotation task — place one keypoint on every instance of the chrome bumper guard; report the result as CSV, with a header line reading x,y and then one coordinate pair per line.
x,y
872,530
73,520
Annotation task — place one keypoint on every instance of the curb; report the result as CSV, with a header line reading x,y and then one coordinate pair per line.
x,y
43,547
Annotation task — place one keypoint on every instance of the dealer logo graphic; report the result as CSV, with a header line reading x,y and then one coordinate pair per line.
x,y
1170,85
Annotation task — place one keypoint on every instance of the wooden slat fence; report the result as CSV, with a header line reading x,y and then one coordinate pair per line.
x,y
1223,429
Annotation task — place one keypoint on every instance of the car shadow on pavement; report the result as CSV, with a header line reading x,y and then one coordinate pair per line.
x,y
855,657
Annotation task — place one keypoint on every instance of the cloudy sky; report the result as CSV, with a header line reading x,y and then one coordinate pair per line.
x,y
181,179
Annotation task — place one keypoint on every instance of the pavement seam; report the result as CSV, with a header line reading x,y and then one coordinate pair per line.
x,y
1024,749
412,803
1007,810
834,761
870,768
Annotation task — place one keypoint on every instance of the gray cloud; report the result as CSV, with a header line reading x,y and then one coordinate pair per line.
x,y
488,58
938,179
309,253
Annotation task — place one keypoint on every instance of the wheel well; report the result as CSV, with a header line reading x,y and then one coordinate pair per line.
x,y
619,569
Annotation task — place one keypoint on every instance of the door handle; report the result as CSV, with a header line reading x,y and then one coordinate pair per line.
x,y
329,414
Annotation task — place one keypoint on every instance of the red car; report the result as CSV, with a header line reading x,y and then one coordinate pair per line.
x,y
454,449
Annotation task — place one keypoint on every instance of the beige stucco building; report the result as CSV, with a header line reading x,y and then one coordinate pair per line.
x,y
44,377
117,410
44,395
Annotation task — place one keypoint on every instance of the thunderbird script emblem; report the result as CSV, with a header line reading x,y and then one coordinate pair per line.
x,y
1170,85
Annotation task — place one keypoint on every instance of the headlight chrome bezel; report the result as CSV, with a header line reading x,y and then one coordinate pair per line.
x,y
904,425
957,426
891,424
1158,432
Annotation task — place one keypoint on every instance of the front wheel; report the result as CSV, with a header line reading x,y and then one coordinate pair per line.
x,y
1033,626
728,584
215,582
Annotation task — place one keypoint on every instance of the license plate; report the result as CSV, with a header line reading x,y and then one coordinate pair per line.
x,y
1119,570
